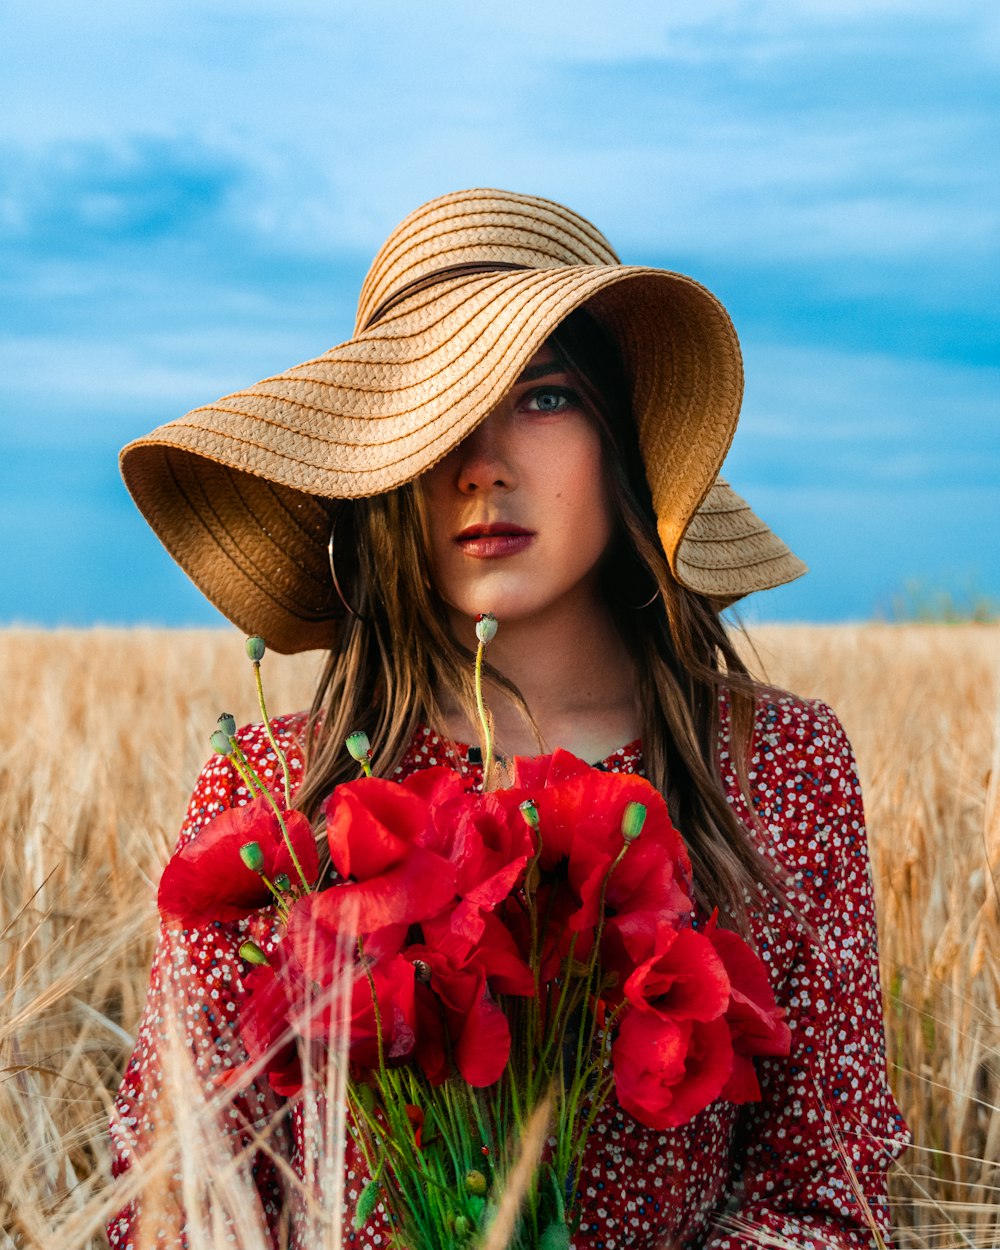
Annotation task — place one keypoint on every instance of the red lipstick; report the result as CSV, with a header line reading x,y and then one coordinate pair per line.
x,y
498,538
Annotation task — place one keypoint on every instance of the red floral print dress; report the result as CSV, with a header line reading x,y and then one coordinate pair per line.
x,y
789,1166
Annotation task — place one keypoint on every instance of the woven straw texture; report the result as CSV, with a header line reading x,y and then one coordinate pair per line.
x,y
456,302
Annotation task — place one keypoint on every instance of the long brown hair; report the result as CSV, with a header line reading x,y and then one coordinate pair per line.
x,y
397,658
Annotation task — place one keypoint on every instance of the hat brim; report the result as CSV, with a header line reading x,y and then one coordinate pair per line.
x,y
238,491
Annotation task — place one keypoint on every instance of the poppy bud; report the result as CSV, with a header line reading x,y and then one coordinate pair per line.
x,y
486,627
252,953
475,1183
366,1097
358,746
227,724
529,813
252,856
462,1226
633,818
256,648
220,743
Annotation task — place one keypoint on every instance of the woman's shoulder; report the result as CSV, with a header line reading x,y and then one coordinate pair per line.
x,y
288,732
789,728
219,786
808,726
801,774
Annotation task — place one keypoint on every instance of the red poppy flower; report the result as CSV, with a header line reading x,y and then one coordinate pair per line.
x,y
755,1020
322,931
375,829
667,1071
436,785
536,772
265,1021
580,812
393,981
206,879
325,964
648,893
456,1016
486,840
494,952
684,980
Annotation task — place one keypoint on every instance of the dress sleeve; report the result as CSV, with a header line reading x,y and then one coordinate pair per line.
x,y
816,1149
175,1085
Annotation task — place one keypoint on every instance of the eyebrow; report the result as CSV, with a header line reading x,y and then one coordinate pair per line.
x,y
542,370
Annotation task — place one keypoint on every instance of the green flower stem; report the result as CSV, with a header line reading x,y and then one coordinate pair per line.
x,y
454,1138
270,735
280,898
569,1156
378,1014
241,764
534,960
598,935
484,718
602,1092
253,781
418,1189
599,1097
556,1024
288,842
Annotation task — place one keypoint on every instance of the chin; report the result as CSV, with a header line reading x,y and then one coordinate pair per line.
x,y
510,608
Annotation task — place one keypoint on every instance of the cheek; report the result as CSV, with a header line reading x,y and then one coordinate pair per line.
x,y
586,498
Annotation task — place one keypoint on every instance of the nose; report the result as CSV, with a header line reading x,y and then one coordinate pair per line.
x,y
483,458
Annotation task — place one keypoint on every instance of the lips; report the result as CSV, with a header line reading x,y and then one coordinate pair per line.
x,y
496,539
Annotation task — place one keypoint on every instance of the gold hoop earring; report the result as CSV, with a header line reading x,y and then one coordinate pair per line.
x,y
649,602
336,581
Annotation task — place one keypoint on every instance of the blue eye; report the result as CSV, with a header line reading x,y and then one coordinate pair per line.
x,y
550,399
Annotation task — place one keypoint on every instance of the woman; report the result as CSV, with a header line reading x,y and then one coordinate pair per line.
x,y
525,426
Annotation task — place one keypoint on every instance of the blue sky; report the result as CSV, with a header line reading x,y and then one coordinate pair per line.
x,y
190,194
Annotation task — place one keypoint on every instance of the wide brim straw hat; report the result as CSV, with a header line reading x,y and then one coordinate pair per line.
x,y
243,492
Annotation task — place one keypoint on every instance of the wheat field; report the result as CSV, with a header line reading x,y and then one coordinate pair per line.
x,y
103,734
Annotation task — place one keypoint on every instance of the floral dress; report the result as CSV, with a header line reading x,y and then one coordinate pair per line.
x,y
807,1164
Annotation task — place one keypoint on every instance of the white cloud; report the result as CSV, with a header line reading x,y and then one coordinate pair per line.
x,y
345,116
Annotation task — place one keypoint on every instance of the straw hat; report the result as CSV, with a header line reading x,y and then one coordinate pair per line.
x,y
457,301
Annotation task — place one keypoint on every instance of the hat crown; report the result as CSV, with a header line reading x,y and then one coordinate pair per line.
x,y
479,227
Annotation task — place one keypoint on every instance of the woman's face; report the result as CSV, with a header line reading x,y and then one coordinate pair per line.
x,y
518,515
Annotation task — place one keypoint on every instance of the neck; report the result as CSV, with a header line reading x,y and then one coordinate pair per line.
x,y
575,673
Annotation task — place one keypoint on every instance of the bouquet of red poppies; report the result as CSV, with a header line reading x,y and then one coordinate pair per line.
x,y
478,955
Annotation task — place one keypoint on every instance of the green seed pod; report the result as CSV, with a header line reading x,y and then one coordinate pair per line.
x,y
220,743
227,723
475,1183
252,856
633,818
529,813
486,627
282,882
256,648
358,746
462,1226
252,953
